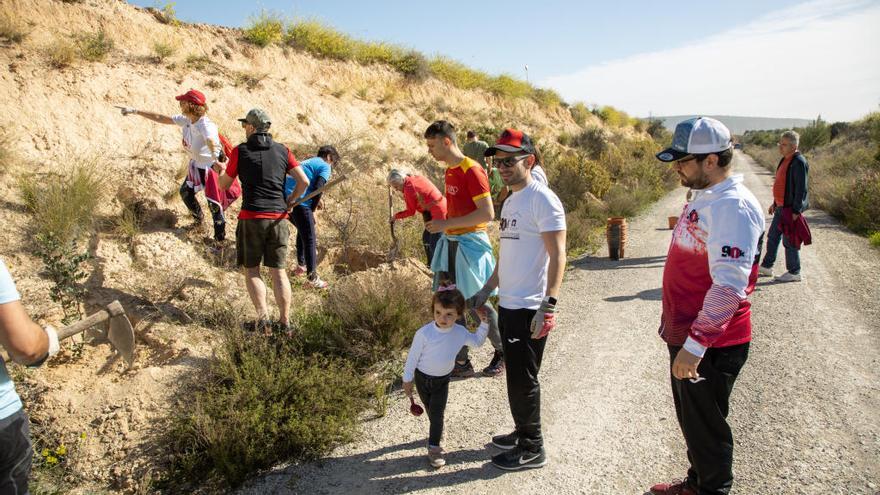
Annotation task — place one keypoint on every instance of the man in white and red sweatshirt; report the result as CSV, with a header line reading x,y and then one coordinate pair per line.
x,y
710,269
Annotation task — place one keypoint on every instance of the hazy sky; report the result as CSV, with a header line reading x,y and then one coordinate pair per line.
x,y
774,58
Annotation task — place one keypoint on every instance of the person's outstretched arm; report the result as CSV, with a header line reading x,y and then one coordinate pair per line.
x,y
155,117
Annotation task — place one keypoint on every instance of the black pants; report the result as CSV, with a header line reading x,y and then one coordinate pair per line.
x,y
429,240
15,454
306,240
188,195
701,406
433,391
522,359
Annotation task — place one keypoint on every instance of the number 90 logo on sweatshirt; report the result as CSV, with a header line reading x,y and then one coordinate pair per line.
x,y
732,252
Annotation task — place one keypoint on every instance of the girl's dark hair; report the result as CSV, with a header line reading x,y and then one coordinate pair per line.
x,y
448,298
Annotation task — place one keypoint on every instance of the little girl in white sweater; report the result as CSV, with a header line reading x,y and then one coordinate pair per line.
x,y
432,357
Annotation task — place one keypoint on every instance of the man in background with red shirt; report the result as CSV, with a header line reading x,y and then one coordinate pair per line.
x,y
464,253
710,270
789,191
422,196
261,165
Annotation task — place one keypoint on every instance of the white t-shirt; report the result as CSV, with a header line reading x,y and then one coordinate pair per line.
x,y
522,258
195,139
433,350
540,175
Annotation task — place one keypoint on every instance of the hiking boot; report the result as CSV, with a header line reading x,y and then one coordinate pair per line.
x,y
764,271
255,325
463,370
520,458
435,457
317,283
299,271
789,277
496,366
282,329
682,487
506,442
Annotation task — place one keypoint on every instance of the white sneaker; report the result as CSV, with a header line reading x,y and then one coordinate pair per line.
x,y
789,277
763,271
317,283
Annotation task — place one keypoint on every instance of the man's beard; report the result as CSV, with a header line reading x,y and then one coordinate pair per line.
x,y
699,182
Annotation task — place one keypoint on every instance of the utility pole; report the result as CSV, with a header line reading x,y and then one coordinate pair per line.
x,y
527,72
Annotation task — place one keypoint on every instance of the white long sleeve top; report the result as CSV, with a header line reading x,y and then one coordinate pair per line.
x,y
433,349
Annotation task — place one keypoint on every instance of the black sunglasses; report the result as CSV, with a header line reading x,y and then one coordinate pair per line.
x,y
510,161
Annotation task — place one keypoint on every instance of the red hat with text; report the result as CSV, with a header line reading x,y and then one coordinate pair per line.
x,y
512,141
192,96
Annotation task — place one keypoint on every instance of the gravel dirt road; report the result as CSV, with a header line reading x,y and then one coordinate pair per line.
x,y
805,410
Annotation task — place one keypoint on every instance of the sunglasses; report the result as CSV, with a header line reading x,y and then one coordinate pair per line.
x,y
686,159
509,162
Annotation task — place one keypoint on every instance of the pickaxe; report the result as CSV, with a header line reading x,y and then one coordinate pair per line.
x,y
120,334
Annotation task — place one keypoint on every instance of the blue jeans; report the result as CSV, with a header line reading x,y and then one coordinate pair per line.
x,y
774,235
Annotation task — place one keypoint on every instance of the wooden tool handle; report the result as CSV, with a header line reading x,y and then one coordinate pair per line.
x,y
92,320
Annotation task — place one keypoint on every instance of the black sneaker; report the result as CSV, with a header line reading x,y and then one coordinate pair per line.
x,y
496,366
255,325
463,370
506,442
519,458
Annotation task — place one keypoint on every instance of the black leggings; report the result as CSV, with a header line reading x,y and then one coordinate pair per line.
x,y
188,195
433,391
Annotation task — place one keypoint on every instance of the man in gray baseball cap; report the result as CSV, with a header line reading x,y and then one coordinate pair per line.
x,y
258,118
710,270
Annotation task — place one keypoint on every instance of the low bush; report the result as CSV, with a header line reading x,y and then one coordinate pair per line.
x,y
320,40
163,50
875,239
412,64
94,47
64,206
264,29
61,53
166,14
11,29
259,403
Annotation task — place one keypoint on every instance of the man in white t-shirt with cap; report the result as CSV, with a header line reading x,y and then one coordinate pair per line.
x,y
528,275
710,270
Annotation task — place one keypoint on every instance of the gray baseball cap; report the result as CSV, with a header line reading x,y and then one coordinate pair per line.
x,y
258,118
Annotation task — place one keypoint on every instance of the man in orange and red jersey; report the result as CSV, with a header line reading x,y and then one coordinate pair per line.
x,y
464,254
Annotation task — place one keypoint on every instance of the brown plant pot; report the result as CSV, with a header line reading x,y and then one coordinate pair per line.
x,y
672,222
615,233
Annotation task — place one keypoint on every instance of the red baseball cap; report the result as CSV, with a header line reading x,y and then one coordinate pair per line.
x,y
511,141
192,96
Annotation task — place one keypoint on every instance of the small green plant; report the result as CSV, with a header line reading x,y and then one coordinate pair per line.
x,y
362,92
94,47
166,14
61,53
162,50
11,29
63,265
128,224
412,64
875,239
264,29
249,80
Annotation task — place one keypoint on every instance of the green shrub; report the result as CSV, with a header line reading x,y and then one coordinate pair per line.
x,y
64,206
458,74
320,40
593,141
11,29
573,176
580,113
163,50
264,29
613,116
262,402
61,54
875,239
166,14
413,65
94,47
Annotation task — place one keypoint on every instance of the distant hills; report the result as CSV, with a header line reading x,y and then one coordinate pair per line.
x,y
739,125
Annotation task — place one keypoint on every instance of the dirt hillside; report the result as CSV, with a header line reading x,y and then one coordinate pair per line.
x,y
52,117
